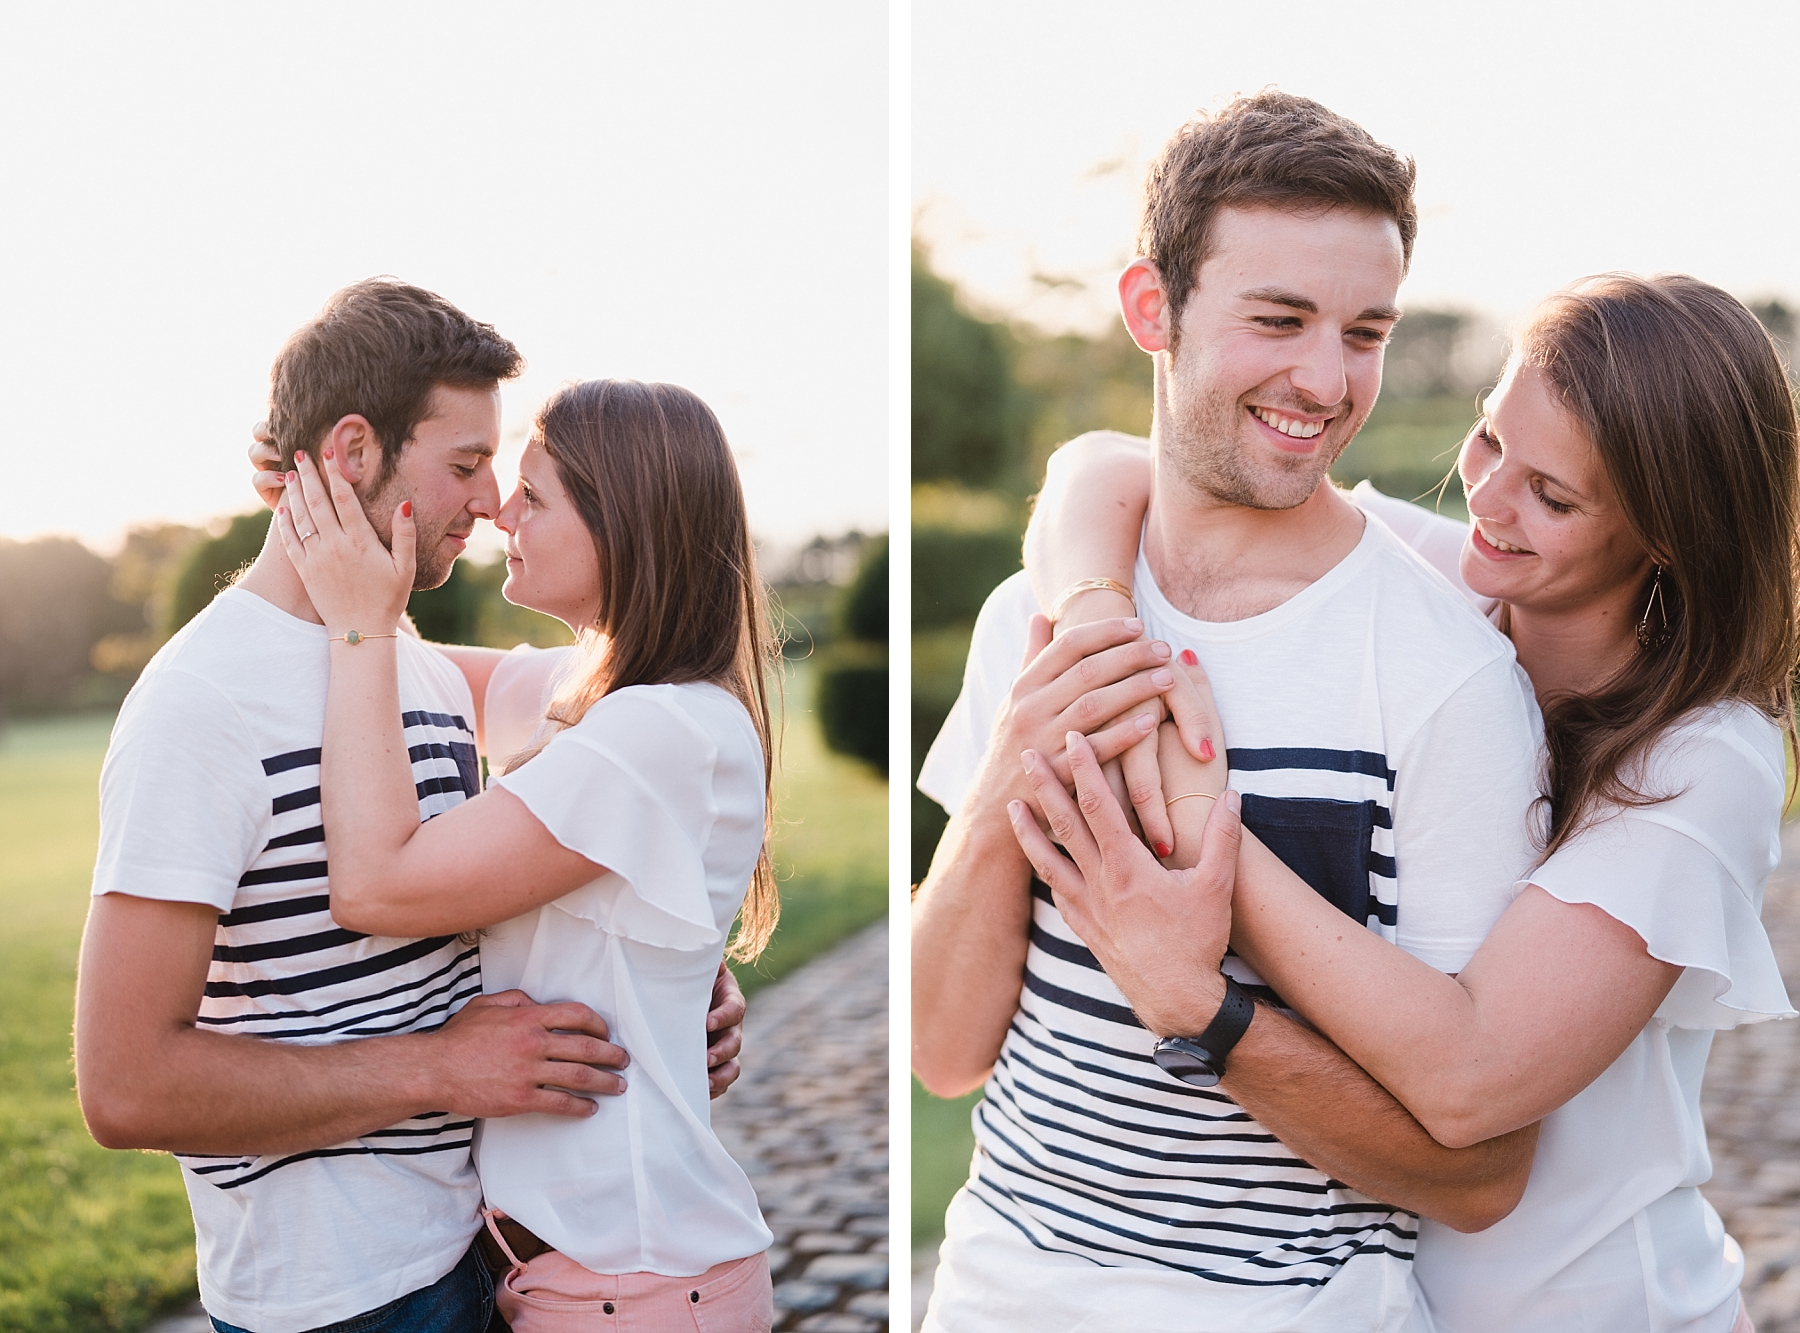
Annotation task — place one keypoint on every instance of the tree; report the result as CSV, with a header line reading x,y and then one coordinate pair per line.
x,y
55,604
965,418
214,563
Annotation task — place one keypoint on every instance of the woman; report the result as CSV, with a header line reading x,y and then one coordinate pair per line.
x,y
609,860
1633,489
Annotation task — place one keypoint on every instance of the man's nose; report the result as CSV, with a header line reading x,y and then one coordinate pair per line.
x,y
1319,373
486,503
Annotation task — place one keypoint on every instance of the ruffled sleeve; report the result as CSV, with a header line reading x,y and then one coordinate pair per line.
x,y
1687,873
630,787
517,694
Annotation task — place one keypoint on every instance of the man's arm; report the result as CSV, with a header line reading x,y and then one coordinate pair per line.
x,y
149,1077
1160,934
972,914
1321,1104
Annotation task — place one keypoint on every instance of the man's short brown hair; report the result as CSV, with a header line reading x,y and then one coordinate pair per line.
x,y
377,350
1273,150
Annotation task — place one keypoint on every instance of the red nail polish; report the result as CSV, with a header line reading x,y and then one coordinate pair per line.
x,y
1188,658
1206,751
405,507
299,454
1162,851
328,451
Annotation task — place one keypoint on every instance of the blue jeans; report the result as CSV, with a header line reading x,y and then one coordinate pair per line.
x,y
462,1301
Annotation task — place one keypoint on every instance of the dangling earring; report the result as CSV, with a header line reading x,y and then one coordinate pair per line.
x,y
1659,637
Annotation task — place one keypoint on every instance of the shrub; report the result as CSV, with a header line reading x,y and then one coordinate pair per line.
x,y
853,700
853,674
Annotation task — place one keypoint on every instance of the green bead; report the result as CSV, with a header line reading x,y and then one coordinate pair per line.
x,y
352,637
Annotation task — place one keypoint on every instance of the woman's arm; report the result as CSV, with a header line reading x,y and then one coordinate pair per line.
x,y
485,861
477,666
1552,997
1160,936
1087,522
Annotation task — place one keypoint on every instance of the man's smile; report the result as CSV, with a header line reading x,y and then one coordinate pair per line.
x,y
1290,432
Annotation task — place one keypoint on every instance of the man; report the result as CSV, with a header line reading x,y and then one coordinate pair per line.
x,y
319,1087
1349,678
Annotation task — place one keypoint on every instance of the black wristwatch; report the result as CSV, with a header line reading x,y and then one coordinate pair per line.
x,y
1200,1061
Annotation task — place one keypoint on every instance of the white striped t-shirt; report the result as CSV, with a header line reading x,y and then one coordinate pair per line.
x,y
1385,744
210,794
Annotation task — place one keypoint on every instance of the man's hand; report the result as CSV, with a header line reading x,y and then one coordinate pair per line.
x,y
724,1032
1160,934
503,1055
150,1077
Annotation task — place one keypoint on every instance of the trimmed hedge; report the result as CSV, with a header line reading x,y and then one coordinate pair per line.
x,y
853,701
954,571
853,672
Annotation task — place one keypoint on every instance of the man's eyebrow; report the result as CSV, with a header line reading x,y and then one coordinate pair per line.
x,y
1281,296
479,450
1295,301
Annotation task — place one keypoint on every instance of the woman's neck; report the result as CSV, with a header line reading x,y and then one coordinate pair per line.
x,y
1573,650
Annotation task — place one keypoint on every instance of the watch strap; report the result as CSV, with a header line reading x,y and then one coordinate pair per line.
x,y
1200,1060
1228,1025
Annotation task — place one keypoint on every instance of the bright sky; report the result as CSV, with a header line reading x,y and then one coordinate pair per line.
x,y
1553,139
693,193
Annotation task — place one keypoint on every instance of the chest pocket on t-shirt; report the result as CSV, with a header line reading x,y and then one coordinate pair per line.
x,y
1326,843
468,767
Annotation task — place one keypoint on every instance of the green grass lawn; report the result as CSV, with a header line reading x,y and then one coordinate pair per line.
x,y
93,1239
830,842
102,1240
941,1146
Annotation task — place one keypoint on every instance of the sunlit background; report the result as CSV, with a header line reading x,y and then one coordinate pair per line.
x,y
689,193
1553,140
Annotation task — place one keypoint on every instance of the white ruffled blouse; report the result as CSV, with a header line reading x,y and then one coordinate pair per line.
x,y
1613,1234
662,785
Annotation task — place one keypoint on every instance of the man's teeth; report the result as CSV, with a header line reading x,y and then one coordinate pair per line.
x,y
1300,430
1503,546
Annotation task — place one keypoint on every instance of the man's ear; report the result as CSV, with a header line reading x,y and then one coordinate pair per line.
x,y
356,450
1145,304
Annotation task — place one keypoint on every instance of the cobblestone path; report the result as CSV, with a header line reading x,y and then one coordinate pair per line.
x,y
1751,1100
809,1123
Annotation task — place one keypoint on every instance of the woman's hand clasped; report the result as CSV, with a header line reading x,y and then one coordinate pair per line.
x,y
1159,933
355,582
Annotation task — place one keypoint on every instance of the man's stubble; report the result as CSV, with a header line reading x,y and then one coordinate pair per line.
x,y
1201,441
432,569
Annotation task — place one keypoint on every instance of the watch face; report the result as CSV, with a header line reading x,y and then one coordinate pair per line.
x,y
1189,1068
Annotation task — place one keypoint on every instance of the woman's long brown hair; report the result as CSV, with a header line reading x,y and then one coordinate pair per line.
x,y
649,471
1684,398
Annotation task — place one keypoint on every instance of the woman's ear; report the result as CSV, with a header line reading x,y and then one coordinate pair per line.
x,y
355,448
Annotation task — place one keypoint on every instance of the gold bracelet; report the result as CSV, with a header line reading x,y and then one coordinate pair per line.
x,y
354,637
1092,585
1184,795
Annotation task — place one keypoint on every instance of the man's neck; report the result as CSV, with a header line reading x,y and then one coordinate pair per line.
x,y
274,579
1222,562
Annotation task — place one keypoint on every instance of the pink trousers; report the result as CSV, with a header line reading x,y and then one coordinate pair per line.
x,y
554,1294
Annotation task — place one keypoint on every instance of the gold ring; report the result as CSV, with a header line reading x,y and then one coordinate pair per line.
x,y
1184,795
